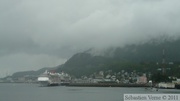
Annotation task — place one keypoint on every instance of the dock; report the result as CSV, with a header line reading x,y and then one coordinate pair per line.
x,y
105,85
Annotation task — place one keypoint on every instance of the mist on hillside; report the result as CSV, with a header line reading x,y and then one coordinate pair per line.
x,y
36,34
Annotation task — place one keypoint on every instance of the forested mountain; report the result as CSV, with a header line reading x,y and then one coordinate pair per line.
x,y
145,57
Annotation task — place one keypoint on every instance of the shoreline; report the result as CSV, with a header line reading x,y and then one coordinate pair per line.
x,y
105,85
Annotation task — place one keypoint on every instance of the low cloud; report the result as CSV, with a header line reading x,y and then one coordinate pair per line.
x,y
56,29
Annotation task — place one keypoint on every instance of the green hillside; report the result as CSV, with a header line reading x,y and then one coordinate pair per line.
x,y
146,57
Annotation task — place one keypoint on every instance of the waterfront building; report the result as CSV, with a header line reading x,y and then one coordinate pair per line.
x,y
142,79
166,85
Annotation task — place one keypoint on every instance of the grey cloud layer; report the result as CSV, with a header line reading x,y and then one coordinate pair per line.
x,y
60,28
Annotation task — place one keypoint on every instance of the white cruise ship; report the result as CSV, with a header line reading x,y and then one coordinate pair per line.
x,y
54,79
49,79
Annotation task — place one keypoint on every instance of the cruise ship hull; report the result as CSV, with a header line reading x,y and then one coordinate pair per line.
x,y
47,83
44,83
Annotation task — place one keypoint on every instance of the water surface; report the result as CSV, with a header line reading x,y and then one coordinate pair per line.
x,y
32,92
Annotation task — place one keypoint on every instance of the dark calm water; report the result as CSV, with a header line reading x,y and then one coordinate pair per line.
x,y
32,92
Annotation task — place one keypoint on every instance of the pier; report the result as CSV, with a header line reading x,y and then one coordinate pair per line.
x,y
106,85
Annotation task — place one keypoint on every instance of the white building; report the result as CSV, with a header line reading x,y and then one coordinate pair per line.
x,y
166,85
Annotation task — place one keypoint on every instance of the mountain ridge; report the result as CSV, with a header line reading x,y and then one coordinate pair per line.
x,y
142,57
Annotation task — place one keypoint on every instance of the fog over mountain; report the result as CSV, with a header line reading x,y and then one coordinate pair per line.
x,y
43,33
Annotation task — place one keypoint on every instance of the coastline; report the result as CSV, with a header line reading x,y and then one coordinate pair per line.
x,y
105,85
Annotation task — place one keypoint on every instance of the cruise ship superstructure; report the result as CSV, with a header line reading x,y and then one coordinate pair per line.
x,y
53,79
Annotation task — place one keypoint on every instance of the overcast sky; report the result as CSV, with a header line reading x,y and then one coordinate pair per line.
x,y
45,33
